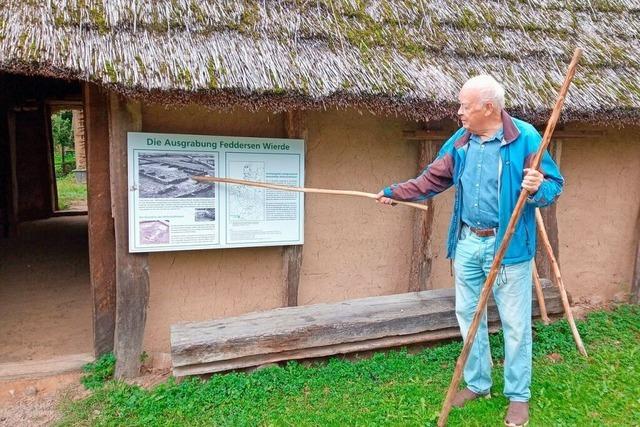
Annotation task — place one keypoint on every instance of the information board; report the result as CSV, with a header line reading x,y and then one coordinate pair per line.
x,y
170,211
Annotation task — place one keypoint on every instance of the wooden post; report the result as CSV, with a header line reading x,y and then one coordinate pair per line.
x,y
421,253
5,169
292,254
12,214
132,278
102,243
51,163
551,221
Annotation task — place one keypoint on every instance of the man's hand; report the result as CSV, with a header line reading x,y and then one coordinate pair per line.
x,y
384,200
532,180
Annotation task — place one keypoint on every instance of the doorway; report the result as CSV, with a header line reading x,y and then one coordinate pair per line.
x,y
67,135
45,286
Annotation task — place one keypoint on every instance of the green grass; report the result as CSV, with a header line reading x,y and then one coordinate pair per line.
x,y
98,372
70,163
396,388
69,190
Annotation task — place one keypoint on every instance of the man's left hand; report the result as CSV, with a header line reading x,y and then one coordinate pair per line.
x,y
532,180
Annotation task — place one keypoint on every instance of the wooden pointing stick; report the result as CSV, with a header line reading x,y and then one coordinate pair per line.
x,y
497,259
303,189
558,279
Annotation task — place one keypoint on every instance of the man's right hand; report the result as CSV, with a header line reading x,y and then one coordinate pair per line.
x,y
380,198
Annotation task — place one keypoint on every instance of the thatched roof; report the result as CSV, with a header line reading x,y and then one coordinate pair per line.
x,y
402,56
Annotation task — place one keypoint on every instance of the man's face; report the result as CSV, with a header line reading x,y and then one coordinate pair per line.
x,y
472,112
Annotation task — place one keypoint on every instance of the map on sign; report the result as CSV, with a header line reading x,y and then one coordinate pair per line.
x,y
246,203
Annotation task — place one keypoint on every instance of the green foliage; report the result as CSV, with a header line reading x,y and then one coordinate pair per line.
x,y
396,387
61,129
62,134
98,372
69,191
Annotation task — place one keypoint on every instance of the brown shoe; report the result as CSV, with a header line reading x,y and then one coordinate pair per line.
x,y
517,414
465,395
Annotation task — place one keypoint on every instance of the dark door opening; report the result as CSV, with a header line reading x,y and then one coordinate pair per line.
x,y
45,288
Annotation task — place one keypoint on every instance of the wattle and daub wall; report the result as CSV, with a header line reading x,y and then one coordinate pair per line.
x,y
356,248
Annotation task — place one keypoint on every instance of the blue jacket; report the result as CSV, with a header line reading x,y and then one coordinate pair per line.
x,y
519,146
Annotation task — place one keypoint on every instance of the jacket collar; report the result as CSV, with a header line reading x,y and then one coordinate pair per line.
x,y
511,132
509,129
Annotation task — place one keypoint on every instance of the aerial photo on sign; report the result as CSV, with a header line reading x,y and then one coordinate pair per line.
x,y
168,175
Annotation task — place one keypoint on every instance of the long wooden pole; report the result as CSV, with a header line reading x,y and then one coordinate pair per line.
x,y
303,189
539,293
558,279
497,260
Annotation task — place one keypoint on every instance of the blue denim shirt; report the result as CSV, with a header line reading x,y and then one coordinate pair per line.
x,y
480,182
519,147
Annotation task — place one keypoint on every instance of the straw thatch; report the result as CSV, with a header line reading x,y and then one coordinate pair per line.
x,y
408,57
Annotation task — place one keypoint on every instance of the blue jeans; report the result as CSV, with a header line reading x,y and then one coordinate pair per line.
x,y
512,293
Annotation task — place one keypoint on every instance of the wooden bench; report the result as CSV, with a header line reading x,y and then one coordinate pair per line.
x,y
322,330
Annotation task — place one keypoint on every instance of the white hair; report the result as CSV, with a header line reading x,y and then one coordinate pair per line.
x,y
489,88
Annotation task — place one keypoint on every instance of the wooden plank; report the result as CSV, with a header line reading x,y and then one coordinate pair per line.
x,y
292,254
102,243
322,325
549,215
346,348
132,278
46,367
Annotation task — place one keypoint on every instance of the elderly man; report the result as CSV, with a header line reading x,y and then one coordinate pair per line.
x,y
487,162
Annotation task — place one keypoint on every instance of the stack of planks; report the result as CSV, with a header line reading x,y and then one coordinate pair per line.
x,y
322,330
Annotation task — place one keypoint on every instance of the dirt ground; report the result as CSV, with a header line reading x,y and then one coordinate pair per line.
x,y
37,402
45,293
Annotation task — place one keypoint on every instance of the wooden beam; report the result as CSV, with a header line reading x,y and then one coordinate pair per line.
x,y
48,134
442,135
422,135
576,134
12,214
421,254
331,350
310,331
102,243
132,278
6,168
549,215
292,254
